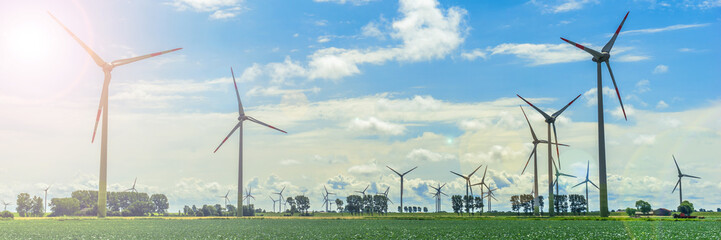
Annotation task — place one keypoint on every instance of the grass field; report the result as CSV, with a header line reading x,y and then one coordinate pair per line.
x,y
407,226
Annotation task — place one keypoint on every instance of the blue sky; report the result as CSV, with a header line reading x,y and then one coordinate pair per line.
x,y
358,84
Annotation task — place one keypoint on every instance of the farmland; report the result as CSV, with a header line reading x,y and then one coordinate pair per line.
x,y
343,227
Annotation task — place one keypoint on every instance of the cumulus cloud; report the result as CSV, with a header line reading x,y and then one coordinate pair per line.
x,y
354,2
472,125
425,155
561,6
376,126
642,86
472,55
424,32
219,9
364,169
661,105
591,96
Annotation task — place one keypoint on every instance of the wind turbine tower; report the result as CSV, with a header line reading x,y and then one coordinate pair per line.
x,y
401,175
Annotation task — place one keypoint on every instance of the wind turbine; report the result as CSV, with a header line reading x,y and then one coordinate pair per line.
x,y
274,201
483,182
600,57
248,195
586,182
468,179
534,154
326,200
437,195
226,197
132,189
107,68
385,194
364,191
401,175
280,198
551,121
558,175
678,184
5,204
239,126
45,207
491,195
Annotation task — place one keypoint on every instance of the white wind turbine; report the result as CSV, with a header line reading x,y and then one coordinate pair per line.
x,y
239,126
103,108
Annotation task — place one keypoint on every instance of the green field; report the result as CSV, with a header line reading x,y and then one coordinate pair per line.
x,y
398,227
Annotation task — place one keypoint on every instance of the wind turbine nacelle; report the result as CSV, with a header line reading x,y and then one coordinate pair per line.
x,y
604,57
242,118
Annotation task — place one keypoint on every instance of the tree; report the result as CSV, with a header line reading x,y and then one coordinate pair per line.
x,y
560,203
425,209
578,203
718,209
36,208
161,202
186,210
686,207
141,208
7,214
64,206
405,209
293,207
303,203
24,204
630,212
457,203
232,211
208,210
354,204
219,209
516,203
468,203
380,203
643,206
399,209
478,204
526,202
368,204
541,204
339,205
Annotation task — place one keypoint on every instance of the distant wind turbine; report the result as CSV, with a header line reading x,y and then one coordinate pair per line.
x,y
678,183
468,179
5,204
132,189
248,195
239,126
45,206
600,57
587,181
225,197
534,154
280,198
107,68
437,195
402,176
551,121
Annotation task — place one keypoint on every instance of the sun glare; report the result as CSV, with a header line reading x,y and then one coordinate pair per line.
x,y
27,38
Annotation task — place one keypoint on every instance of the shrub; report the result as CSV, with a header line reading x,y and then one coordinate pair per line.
x,y
686,207
7,214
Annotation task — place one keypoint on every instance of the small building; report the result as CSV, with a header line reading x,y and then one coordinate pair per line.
x,y
662,212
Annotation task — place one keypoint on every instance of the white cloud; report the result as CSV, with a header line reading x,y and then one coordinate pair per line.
x,y
221,9
371,30
708,4
632,58
660,69
425,155
321,22
323,39
644,139
364,169
642,86
376,126
561,6
472,125
354,2
591,95
540,54
664,29
661,105
472,55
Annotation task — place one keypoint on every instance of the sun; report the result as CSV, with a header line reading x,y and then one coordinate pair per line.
x,y
24,38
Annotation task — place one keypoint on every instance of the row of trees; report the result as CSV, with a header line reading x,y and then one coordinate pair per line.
x,y
299,204
413,209
367,204
212,210
30,207
471,204
84,203
527,203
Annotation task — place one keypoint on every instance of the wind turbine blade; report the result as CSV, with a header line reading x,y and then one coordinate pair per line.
x,y
237,94
677,183
677,168
618,94
567,175
410,170
579,184
533,134
98,61
529,158
226,138
393,170
483,179
555,135
556,114
264,124
121,62
589,181
588,166
442,186
534,107
686,175
103,94
458,174
588,50
555,182
474,171
492,196
609,44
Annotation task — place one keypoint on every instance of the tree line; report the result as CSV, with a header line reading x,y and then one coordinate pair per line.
x,y
471,204
84,203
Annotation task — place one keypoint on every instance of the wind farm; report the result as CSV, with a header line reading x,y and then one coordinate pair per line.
x,y
422,87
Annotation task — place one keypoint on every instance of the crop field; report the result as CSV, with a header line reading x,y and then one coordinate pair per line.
x,y
354,228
